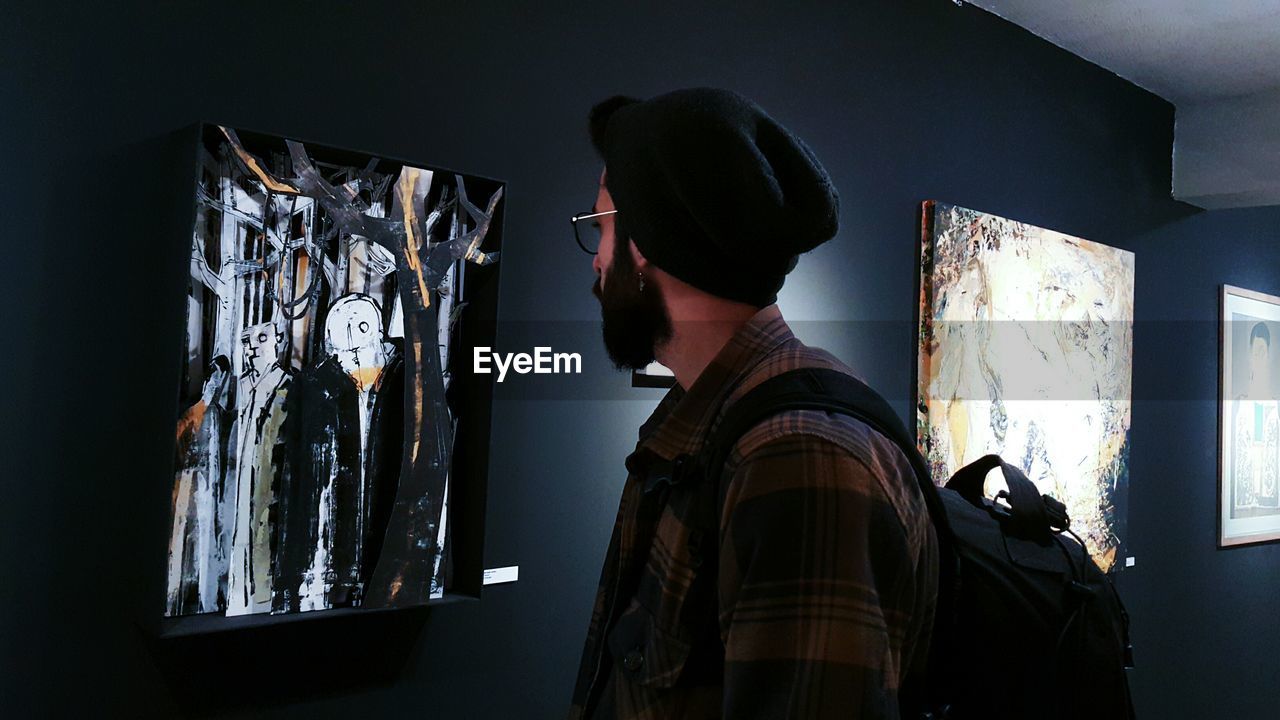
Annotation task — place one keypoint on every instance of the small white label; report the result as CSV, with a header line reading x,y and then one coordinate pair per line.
x,y
657,368
493,576
1130,561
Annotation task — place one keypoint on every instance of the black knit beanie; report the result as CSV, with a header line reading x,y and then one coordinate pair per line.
x,y
713,190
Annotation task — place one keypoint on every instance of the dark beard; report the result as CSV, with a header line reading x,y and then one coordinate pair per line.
x,y
635,322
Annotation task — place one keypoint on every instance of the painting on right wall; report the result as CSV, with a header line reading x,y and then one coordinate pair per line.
x,y
1026,351
1249,418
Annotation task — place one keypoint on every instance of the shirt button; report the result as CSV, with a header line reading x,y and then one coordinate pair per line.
x,y
695,549
633,660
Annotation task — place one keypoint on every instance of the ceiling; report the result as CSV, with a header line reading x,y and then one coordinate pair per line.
x,y
1217,61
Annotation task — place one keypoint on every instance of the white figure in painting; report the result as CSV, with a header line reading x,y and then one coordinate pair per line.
x,y
195,566
345,461
1256,457
262,392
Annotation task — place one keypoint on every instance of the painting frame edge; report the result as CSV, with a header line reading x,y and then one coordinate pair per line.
x,y
924,253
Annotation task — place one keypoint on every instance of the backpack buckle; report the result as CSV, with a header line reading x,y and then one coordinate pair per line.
x,y
1057,512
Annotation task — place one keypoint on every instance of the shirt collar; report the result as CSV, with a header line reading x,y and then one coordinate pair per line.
x,y
681,421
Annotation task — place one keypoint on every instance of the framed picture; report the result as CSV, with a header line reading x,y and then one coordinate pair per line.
x,y
1248,418
1026,351
326,434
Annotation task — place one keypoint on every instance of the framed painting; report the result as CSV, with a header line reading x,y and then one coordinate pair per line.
x,y
1248,418
325,425
1026,350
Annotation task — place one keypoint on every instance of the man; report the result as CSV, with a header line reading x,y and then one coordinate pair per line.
x,y
810,591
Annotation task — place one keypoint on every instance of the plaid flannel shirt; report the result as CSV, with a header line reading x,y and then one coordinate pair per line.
x,y
820,596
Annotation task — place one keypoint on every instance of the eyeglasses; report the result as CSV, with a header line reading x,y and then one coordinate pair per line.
x,y
591,245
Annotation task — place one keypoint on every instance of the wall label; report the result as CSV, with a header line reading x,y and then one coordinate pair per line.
x,y
495,576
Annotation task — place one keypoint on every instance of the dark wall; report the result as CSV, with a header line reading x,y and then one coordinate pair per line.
x,y
1205,621
903,101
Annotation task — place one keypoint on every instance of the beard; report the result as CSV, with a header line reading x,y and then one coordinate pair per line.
x,y
634,322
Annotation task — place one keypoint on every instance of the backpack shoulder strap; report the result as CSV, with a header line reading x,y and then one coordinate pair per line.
x,y
834,391
818,389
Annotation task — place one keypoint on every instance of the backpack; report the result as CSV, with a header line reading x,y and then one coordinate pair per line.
x,y
1027,625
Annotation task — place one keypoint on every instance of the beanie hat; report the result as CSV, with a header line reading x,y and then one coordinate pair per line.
x,y
712,190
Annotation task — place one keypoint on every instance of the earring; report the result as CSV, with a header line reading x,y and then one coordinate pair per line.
x,y
641,276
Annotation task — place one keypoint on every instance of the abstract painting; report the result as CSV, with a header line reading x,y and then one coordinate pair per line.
x,y
316,433
1026,350
1249,418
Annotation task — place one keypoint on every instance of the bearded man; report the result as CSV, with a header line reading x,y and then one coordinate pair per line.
x,y
811,593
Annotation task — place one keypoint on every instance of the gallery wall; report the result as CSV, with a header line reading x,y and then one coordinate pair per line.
x,y
903,101
1205,623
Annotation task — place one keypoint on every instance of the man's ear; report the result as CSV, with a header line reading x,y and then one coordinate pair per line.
x,y
641,262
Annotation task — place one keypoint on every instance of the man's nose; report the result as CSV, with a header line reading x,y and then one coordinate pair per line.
x,y
595,265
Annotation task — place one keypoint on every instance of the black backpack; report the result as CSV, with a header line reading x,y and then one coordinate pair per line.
x,y
1027,625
